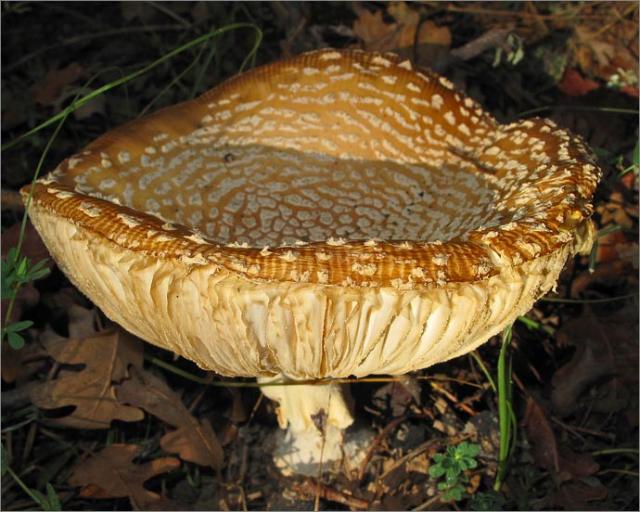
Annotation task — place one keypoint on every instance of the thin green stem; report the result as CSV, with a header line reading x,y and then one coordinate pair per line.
x,y
589,301
504,406
614,451
234,384
23,225
132,76
608,230
207,61
22,485
171,84
533,324
484,369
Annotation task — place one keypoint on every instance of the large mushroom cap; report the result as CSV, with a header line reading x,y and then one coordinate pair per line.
x,y
334,214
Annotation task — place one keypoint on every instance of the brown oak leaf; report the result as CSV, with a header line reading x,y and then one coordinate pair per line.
x,y
111,473
376,34
563,463
105,358
194,441
605,346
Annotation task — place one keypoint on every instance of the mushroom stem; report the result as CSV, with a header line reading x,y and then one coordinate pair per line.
x,y
315,418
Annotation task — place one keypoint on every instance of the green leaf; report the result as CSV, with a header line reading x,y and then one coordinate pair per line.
x,y
456,492
23,266
12,257
52,498
19,326
486,501
635,158
452,474
8,289
40,499
16,341
436,471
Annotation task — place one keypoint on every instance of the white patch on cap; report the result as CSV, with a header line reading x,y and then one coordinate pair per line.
x,y
128,220
330,56
90,209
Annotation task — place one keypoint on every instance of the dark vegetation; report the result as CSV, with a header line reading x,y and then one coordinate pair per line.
x,y
203,444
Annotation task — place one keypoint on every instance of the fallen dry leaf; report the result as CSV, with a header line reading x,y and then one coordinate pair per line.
x,y
105,358
616,272
111,473
52,86
574,84
562,462
19,364
397,396
541,436
378,35
193,441
577,494
82,321
602,54
605,346
608,246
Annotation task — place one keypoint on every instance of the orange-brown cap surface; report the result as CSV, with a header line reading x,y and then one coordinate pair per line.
x,y
344,176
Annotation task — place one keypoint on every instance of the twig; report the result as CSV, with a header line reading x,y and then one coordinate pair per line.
x,y
490,39
312,488
198,398
584,430
414,453
426,505
376,442
454,399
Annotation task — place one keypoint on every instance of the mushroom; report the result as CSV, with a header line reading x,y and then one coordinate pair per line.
x,y
332,215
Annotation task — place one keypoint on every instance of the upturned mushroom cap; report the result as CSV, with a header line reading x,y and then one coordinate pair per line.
x,y
334,214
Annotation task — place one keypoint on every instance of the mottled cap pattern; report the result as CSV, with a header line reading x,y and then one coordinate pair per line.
x,y
335,214
335,167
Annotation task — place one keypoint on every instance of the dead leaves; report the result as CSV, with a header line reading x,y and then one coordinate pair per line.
x,y
605,347
404,32
105,358
111,473
111,385
571,471
194,441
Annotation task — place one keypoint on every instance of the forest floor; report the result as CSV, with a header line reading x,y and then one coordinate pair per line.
x,y
187,439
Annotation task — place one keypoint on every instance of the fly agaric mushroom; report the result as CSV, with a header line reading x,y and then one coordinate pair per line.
x,y
336,214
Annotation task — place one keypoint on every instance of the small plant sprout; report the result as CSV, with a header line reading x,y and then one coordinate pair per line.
x,y
17,271
452,466
49,502
512,51
490,500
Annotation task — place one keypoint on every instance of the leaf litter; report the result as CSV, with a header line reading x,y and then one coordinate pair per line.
x,y
194,441
111,473
582,372
104,359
